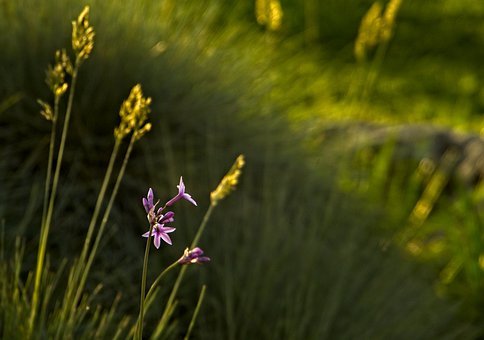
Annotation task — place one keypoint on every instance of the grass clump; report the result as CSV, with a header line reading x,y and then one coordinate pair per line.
x,y
292,256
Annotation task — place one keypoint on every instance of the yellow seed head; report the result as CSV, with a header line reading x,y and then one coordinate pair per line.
x,y
376,27
369,31
62,58
82,35
55,75
269,13
228,182
134,113
388,21
46,110
141,132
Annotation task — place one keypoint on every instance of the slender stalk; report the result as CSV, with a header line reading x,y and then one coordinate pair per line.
x,y
100,199
44,234
202,226
48,176
374,71
104,221
181,274
158,279
152,290
139,333
80,267
195,313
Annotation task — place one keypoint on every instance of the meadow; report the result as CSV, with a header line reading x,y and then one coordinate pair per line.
x,y
317,234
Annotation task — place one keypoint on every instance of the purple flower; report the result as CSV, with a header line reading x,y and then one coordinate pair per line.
x,y
181,194
158,220
160,232
193,256
148,201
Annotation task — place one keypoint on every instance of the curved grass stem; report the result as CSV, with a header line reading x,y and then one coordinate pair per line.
x,y
48,177
195,312
100,199
139,331
158,279
79,268
44,233
97,241
168,308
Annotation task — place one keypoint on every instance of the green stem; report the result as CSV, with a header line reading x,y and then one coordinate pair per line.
x,y
44,234
139,333
100,199
195,313
374,70
202,226
48,176
158,279
80,267
181,274
104,221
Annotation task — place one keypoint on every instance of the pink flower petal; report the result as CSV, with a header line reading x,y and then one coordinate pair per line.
x,y
165,238
167,230
181,186
157,241
189,199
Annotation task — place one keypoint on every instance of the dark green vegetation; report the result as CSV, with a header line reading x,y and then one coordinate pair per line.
x,y
294,255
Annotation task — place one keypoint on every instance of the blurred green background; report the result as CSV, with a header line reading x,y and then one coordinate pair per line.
x,y
323,238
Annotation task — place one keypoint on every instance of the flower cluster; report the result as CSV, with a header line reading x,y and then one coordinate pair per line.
x,y
134,113
376,27
82,35
158,220
269,14
228,182
55,75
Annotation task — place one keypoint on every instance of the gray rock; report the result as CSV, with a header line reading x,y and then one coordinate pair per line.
x,y
414,142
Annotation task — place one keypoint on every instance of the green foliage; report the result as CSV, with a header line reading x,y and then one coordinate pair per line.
x,y
436,218
292,256
15,297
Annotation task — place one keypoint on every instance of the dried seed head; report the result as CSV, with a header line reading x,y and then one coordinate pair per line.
x,y
228,182
82,36
134,113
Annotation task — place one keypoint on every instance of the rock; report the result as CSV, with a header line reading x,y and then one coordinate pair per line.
x,y
415,142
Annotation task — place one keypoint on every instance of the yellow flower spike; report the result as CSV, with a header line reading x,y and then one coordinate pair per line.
x,y
61,58
82,36
134,113
55,75
269,13
46,110
141,132
376,27
228,182
388,21
369,31
61,90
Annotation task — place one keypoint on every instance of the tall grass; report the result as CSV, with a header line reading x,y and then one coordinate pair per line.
x,y
293,257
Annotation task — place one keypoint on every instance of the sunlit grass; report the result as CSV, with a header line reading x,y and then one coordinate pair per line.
x,y
293,256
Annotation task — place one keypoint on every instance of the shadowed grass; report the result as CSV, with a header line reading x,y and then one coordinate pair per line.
x,y
292,257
